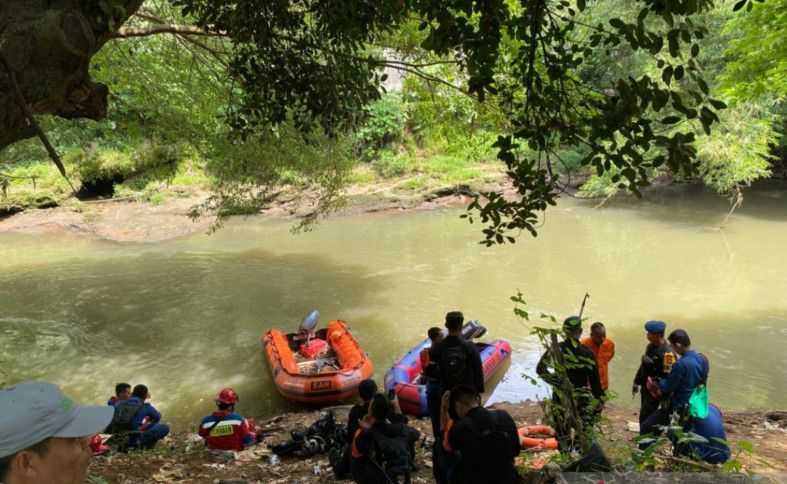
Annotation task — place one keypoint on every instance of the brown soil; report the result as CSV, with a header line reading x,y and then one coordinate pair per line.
x,y
124,220
182,457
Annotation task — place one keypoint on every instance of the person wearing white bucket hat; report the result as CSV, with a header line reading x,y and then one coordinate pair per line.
x,y
44,435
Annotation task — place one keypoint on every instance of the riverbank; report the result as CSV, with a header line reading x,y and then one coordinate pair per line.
x,y
183,458
131,219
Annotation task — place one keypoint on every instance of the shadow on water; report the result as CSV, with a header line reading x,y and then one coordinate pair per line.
x,y
185,324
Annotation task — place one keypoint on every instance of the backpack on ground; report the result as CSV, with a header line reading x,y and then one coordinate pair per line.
x,y
454,365
122,420
392,455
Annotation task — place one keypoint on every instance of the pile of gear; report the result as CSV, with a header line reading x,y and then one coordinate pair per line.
x,y
321,437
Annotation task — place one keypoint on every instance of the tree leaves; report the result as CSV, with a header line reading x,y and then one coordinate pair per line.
x,y
666,75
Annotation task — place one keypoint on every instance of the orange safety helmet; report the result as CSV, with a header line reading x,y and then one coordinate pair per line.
x,y
227,396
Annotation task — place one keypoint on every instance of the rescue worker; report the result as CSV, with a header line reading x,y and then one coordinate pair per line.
x,y
431,374
146,427
486,441
582,372
122,392
604,350
710,443
457,359
383,446
226,430
690,371
656,365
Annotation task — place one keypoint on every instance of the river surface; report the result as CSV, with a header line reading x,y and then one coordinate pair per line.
x,y
185,316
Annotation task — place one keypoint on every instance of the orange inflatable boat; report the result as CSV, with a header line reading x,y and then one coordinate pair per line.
x,y
323,367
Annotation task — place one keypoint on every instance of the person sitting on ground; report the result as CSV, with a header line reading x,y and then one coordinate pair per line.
x,y
122,392
139,420
486,441
383,446
706,439
367,389
690,371
431,375
44,435
604,350
226,430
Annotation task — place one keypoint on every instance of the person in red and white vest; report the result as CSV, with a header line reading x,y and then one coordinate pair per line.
x,y
226,430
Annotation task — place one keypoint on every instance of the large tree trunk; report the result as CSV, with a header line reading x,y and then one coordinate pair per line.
x,y
48,45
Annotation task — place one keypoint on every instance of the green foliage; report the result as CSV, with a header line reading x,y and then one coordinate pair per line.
x,y
151,161
383,125
242,184
757,65
562,410
390,165
736,154
316,64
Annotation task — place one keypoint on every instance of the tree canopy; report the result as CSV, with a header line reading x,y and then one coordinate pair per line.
x,y
311,68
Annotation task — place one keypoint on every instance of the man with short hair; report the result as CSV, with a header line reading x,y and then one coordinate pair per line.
x,y
144,427
224,429
604,350
656,365
690,371
487,441
122,392
458,360
44,435
367,389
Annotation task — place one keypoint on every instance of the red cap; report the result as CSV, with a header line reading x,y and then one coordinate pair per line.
x,y
227,396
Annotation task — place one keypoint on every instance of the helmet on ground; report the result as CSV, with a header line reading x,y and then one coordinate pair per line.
x,y
227,396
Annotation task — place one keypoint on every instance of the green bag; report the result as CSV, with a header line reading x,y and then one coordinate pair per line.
x,y
698,402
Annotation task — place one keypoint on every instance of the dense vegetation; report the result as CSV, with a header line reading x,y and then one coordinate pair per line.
x,y
616,94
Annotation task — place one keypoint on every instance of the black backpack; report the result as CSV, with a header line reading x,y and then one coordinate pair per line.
x,y
493,448
392,456
125,410
453,364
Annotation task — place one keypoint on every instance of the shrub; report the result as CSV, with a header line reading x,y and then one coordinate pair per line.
x,y
384,125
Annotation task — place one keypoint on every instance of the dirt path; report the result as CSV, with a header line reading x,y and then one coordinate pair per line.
x,y
183,459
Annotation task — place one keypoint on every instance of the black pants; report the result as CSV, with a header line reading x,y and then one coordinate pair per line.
x,y
434,396
648,405
652,425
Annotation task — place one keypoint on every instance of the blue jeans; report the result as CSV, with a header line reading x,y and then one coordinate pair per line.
x,y
148,438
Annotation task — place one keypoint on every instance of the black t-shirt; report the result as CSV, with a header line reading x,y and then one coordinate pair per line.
x,y
474,370
484,457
